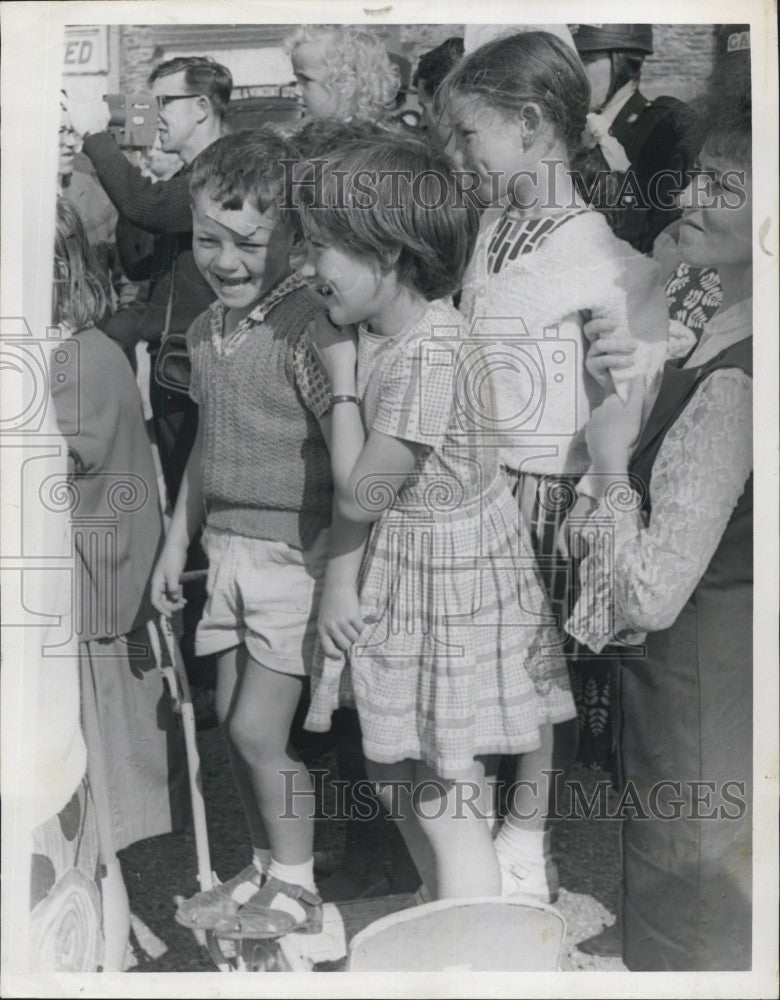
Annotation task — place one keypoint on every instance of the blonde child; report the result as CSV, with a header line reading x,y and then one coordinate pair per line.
x,y
445,621
342,73
540,268
259,473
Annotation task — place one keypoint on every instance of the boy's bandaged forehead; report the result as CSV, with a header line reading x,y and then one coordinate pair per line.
x,y
237,221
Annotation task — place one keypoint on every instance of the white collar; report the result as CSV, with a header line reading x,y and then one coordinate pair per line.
x,y
612,108
724,329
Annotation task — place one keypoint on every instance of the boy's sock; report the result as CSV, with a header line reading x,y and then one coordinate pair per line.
x,y
261,858
302,875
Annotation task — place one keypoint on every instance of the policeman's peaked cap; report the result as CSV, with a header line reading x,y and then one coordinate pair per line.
x,y
606,37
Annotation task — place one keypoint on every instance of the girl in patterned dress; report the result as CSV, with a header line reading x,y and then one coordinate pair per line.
x,y
451,654
543,264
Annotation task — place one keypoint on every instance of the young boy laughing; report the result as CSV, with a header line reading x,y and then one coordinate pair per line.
x,y
260,473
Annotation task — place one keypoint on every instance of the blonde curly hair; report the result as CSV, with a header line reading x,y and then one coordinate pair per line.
x,y
360,71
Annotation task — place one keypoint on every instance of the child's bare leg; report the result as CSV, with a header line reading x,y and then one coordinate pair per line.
x,y
395,782
231,667
466,862
529,809
259,728
527,806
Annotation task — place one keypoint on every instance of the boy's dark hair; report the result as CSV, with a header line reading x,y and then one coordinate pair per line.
x,y
512,70
433,66
429,247
319,137
202,75
246,166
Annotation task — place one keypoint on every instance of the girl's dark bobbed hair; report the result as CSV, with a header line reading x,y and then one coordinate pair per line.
x,y
396,200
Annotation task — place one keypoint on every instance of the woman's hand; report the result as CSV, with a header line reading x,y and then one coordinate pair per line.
x,y
339,622
166,592
607,352
613,429
336,348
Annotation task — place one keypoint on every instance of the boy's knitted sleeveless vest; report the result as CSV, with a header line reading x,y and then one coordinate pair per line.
x,y
265,466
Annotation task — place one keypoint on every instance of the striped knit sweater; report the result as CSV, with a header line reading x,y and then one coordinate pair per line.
x,y
265,467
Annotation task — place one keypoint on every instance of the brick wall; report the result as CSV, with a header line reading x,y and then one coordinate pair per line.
x,y
137,44
679,66
681,62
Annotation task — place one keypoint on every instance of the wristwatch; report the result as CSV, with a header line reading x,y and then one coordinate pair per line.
x,y
343,399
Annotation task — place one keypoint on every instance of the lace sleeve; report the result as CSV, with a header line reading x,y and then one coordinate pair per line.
x,y
637,578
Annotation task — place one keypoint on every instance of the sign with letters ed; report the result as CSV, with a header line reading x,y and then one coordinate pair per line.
x,y
86,50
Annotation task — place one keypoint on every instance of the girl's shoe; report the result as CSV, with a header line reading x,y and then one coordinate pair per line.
x,y
268,914
536,878
204,910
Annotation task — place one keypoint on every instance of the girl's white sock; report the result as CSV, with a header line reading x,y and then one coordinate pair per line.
x,y
261,859
302,874
518,844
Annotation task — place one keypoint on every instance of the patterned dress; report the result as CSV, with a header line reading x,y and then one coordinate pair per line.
x,y
458,657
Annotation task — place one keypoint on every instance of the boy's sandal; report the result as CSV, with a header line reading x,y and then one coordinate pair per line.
x,y
204,910
260,919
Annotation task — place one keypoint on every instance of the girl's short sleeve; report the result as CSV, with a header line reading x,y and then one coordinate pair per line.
x,y
416,392
310,377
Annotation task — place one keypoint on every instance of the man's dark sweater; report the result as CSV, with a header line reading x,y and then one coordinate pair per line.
x,y
163,209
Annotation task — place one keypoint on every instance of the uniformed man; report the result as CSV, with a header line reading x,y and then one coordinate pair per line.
x,y
635,150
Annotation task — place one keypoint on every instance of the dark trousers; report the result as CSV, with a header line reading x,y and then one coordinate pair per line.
x,y
175,419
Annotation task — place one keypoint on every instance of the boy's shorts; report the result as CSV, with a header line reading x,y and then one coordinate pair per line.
x,y
265,594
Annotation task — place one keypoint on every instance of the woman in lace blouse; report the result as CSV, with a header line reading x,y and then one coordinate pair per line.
x,y
669,574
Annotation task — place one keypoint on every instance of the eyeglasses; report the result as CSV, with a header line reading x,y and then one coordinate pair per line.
x,y
163,100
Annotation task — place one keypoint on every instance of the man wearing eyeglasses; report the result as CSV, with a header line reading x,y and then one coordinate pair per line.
x,y
192,94
190,104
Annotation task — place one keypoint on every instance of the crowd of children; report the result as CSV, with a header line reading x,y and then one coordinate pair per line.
x,y
379,478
